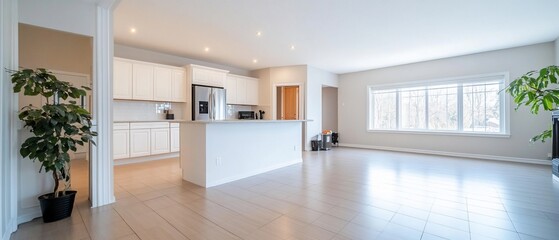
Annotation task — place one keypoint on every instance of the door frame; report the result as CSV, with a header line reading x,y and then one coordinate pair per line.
x,y
275,96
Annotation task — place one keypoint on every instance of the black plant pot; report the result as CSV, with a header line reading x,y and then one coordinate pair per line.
x,y
54,209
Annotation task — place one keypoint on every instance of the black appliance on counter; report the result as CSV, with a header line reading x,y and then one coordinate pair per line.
x,y
246,115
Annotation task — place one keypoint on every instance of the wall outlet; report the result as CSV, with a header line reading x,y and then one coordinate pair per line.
x,y
218,161
549,155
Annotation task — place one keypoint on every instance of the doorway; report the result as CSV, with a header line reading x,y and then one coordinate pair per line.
x,y
69,57
287,102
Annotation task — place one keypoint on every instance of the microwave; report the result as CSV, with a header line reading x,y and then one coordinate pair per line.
x,y
246,115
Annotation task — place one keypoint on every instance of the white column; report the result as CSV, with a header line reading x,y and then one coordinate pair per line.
x,y
101,177
8,116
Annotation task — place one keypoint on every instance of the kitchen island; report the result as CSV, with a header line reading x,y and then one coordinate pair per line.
x,y
218,152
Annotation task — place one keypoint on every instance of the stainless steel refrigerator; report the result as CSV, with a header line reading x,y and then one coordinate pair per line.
x,y
208,103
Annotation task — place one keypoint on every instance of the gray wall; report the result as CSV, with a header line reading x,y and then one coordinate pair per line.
x,y
557,52
139,54
352,102
330,108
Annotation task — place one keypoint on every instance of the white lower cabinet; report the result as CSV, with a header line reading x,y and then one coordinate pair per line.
x,y
159,140
121,140
175,138
140,142
138,139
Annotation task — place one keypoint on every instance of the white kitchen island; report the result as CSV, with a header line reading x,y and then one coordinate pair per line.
x,y
217,152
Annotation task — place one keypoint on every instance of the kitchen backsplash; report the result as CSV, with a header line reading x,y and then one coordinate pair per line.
x,y
142,110
233,111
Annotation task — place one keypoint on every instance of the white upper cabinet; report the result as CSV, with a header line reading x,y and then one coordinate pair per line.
x,y
162,80
251,91
148,81
122,79
201,75
241,90
178,86
231,89
142,81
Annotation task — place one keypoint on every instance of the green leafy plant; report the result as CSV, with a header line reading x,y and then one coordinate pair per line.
x,y
537,89
57,127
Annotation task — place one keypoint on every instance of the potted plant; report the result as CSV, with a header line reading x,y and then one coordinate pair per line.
x,y
537,89
57,128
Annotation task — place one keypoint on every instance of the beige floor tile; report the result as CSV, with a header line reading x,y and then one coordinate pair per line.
x,y
339,194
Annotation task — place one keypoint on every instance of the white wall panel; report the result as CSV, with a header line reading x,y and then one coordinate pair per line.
x,y
65,15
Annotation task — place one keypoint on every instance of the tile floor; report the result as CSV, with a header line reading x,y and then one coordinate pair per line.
x,y
340,194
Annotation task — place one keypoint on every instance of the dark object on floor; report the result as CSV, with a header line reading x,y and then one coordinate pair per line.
x,y
315,144
555,168
58,208
326,142
335,138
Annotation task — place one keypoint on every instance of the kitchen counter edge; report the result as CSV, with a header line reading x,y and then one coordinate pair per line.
x,y
244,121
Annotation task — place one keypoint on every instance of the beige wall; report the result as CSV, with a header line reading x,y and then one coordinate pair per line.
x,y
517,61
52,49
330,108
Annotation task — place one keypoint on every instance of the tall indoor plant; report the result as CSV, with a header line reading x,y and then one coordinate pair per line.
x,y
57,128
537,89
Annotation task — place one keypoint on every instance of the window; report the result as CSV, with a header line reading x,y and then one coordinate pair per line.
x,y
462,105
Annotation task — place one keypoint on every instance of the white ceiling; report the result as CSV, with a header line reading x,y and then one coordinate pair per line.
x,y
339,36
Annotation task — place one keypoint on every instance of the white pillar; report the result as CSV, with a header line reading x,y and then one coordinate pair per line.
x,y
101,177
8,116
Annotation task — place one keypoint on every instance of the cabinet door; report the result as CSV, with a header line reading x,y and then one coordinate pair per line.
x,y
218,79
252,91
139,142
159,140
162,80
175,139
241,91
122,79
199,76
231,89
142,81
178,86
121,144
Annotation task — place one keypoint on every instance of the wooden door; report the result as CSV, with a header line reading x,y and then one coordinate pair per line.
x,y
290,102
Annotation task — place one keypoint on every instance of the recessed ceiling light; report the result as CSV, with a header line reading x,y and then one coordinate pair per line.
x,y
292,47
258,33
206,49
132,30
255,60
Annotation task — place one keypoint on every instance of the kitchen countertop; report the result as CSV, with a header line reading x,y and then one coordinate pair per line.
x,y
245,121
212,121
156,120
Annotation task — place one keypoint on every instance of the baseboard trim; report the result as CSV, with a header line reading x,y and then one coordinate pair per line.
x,y
11,228
31,214
450,154
125,161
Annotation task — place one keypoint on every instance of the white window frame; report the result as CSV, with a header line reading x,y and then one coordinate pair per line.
x,y
504,106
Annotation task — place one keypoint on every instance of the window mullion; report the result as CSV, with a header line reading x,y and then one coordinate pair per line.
x,y
460,107
426,109
398,118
